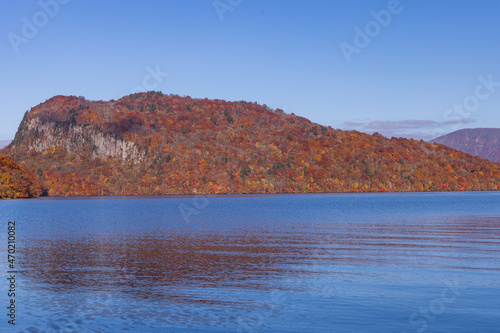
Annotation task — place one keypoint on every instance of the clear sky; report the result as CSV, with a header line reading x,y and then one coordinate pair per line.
x,y
413,68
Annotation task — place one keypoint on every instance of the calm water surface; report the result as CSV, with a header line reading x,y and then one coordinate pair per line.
x,y
278,263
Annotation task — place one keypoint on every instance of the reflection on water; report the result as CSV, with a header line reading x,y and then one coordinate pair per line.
x,y
324,267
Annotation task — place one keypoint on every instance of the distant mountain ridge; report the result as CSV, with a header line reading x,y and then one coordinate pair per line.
x,y
483,142
153,143
4,143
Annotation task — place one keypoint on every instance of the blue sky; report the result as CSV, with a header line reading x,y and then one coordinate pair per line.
x,y
406,68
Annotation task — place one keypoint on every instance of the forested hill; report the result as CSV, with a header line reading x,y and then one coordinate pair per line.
x,y
151,143
16,181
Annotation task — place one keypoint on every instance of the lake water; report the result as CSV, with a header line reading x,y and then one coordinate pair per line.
x,y
271,263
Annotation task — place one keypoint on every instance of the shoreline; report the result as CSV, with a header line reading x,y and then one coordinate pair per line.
x,y
249,195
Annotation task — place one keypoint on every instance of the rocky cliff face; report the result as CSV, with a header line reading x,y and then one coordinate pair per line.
x,y
75,138
482,142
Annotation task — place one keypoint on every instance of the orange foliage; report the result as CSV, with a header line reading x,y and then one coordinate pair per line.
x,y
191,145
16,181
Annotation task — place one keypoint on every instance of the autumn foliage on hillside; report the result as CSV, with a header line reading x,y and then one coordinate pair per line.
x,y
184,145
16,181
